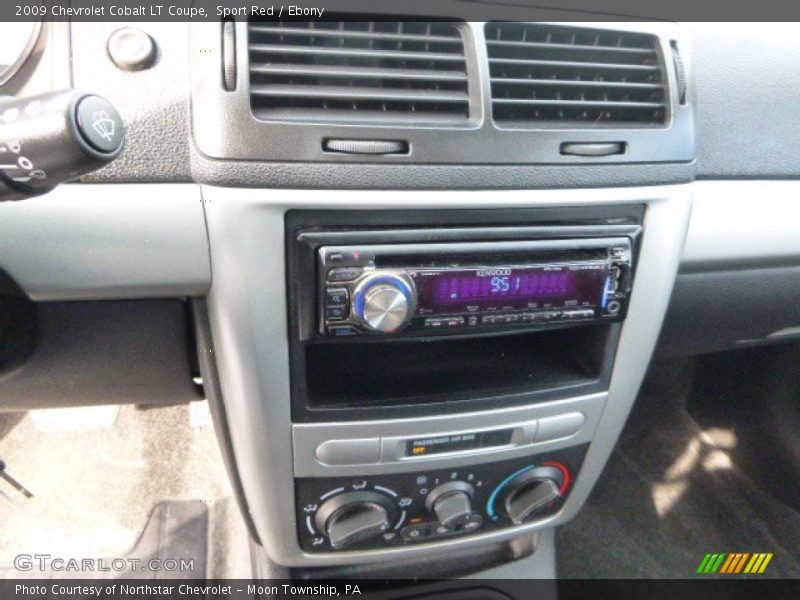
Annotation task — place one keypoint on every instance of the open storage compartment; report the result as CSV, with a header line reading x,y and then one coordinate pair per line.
x,y
417,376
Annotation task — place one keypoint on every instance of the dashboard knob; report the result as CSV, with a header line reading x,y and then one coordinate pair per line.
x,y
384,302
354,517
451,502
531,492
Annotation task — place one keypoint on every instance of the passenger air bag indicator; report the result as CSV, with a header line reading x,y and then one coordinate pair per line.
x,y
458,442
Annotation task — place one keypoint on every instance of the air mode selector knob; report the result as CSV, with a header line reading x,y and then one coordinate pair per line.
x,y
529,493
354,517
384,302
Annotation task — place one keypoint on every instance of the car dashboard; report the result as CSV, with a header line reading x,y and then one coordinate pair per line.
x,y
421,268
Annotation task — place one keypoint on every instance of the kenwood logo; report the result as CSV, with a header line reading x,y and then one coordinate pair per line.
x,y
493,272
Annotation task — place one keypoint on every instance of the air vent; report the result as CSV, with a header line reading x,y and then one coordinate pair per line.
x,y
543,73
345,71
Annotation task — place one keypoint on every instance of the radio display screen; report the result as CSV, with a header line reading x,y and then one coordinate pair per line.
x,y
480,289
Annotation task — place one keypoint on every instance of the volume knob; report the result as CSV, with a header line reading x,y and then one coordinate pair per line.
x,y
384,302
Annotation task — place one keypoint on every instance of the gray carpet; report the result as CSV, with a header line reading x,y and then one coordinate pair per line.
x,y
670,494
100,474
176,536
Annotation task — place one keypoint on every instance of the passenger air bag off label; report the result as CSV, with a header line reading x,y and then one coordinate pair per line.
x,y
458,442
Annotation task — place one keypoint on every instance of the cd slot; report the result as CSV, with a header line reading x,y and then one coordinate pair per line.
x,y
473,259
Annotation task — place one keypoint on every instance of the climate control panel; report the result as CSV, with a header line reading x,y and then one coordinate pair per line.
x,y
383,511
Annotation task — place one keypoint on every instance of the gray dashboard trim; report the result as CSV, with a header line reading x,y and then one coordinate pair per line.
x,y
82,242
539,565
307,436
739,224
735,224
746,88
247,310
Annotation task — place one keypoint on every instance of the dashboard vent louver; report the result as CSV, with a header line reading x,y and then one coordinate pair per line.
x,y
542,73
357,71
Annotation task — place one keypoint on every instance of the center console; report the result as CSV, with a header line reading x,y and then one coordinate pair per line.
x,y
448,312
400,380
431,310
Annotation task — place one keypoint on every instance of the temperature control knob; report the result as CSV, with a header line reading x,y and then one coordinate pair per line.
x,y
451,502
384,302
354,517
532,491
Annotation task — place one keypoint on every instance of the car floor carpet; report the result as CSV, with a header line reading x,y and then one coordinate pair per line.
x,y
175,535
670,494
99,475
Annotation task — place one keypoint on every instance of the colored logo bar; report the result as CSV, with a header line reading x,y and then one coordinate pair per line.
x,y
735,562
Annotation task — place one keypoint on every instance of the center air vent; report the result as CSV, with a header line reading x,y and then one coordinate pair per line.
x,y
357,71
564,75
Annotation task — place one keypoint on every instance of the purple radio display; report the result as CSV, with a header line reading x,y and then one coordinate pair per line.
x,y
457,291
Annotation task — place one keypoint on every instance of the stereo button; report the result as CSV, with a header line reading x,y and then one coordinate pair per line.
x,y
336,297
344,274
336,313
342,330
561,426
350,452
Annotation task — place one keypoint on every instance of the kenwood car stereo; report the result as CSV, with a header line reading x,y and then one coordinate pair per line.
x,y
425,289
